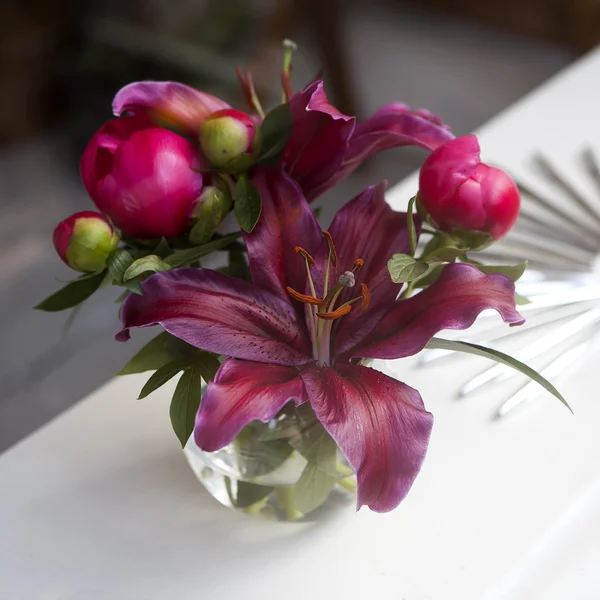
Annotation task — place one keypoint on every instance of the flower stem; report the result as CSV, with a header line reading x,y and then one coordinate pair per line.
x,y
348,484
285,499
344,470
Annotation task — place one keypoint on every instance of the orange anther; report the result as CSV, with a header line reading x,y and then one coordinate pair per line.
x,y
336,314
332,251
305,254
304,297
359,264
366,297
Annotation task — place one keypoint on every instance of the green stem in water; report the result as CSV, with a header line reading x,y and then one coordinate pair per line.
x,y
343,469
348,484
285,499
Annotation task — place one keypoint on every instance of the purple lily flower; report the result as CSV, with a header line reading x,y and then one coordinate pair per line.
x,y
325,146
298,332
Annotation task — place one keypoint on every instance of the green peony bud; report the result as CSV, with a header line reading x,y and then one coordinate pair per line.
x,y
85,240
211,209
229,140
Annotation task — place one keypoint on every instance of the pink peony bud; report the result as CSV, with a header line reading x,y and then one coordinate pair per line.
x,y
142,177
85,240
458,190
228,139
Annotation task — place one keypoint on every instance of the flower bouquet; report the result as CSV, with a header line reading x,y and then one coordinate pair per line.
x,y
277,405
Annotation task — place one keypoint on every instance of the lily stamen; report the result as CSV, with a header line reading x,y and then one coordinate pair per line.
x,y
335,314
332,252
305,297
366,297
309,259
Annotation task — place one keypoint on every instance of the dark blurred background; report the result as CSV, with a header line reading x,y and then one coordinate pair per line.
x,y
62,61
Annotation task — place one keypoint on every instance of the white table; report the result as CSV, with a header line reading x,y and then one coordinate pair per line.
x,y
100,503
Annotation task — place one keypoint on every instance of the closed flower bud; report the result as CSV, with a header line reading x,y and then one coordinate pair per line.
x,y
85,240
228,139
144,178
213,206
459,191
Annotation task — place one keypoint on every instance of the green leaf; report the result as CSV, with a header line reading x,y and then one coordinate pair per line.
x,y
410,222
258,458
313,488
474,240
521,300
146,264
513,272
404,268
317,447
499,357
164,374
185,257
159,351
284,426
118,261
185,403
275,133
163,248
435,270
445,254
247,204
121,297
72,294
207,364
250,493
238,266
214,205
134,285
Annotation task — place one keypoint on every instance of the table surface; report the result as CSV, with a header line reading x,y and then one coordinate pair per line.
x,y
101,505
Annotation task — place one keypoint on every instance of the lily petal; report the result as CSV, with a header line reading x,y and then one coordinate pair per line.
x,y
319,140
379,424
220,314
391,126
168,101
369,229
242,392
454,301
286,222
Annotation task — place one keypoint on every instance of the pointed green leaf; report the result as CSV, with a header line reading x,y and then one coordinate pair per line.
x,y
513,272
474,240
275,133
258,458
146,264
163,248
435,270
118,262
521,300
499,357
247,204
317,447
410,223
164,374
159,351
313,488
207,364
249,494
185,403
72,294
185,257
445,254
404,268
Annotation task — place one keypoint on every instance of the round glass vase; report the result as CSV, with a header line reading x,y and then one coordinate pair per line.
x,y
287,469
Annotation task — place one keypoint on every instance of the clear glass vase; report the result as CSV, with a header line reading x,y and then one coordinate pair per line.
x,y
286,469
